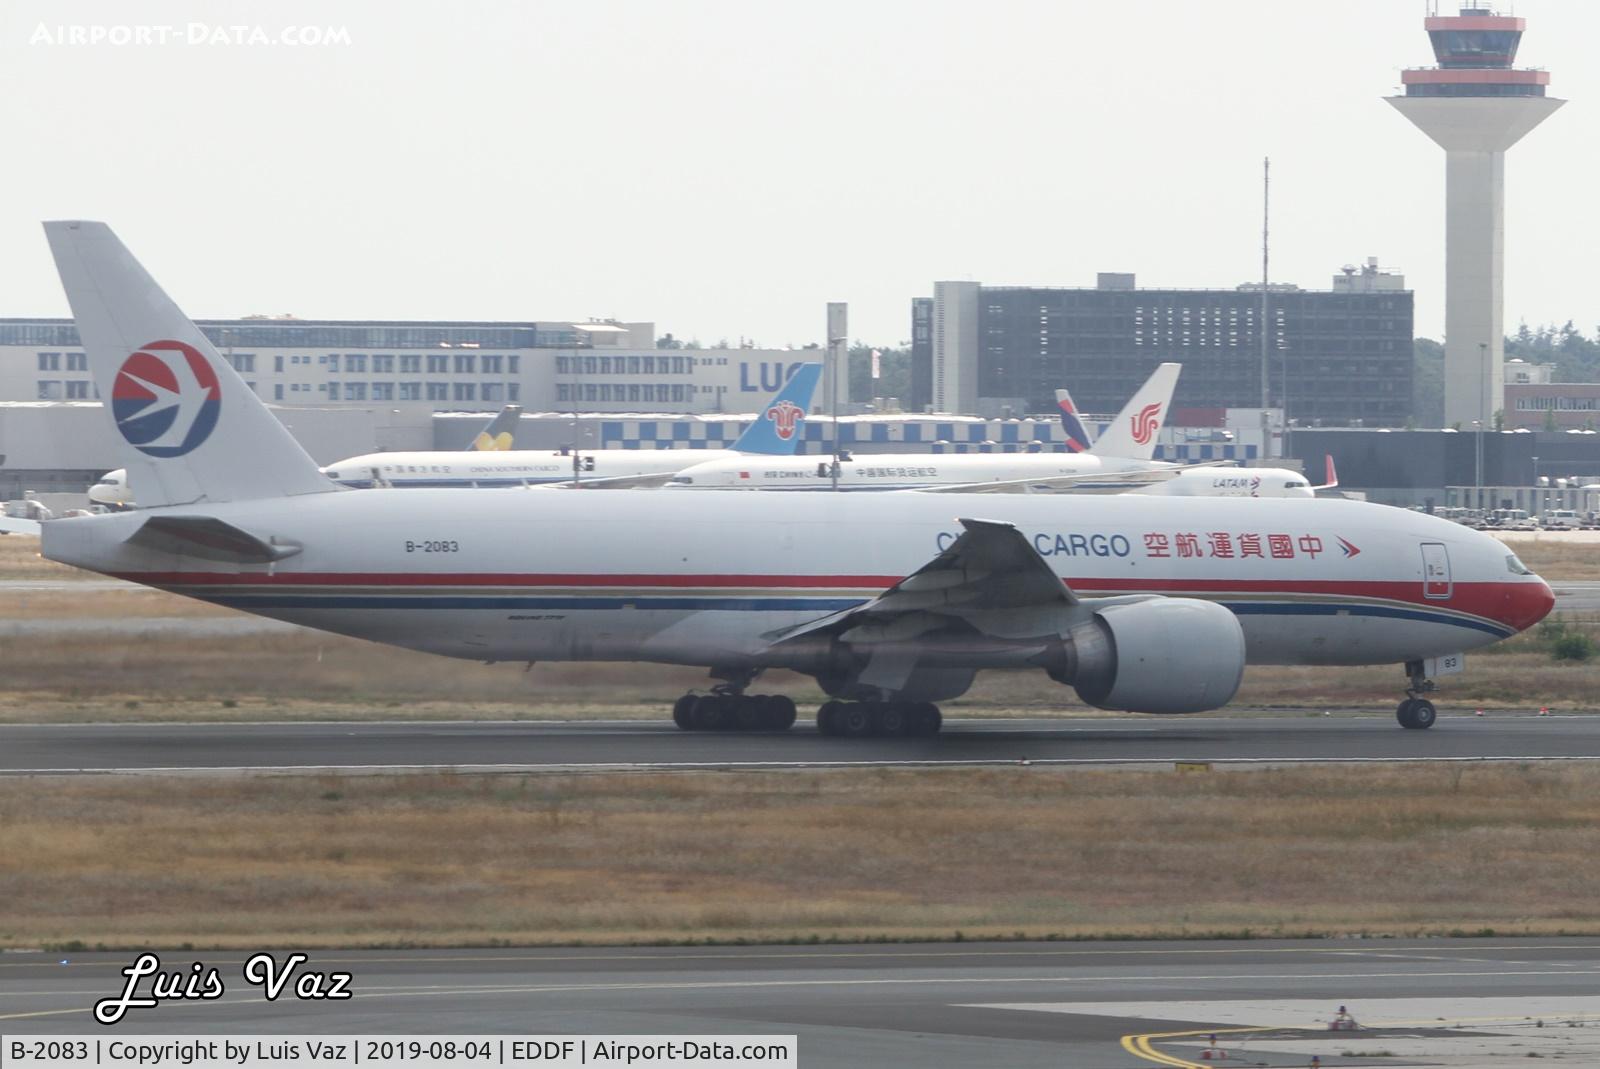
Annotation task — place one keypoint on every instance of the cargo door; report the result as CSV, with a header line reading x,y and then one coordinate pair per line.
x,y
1435,571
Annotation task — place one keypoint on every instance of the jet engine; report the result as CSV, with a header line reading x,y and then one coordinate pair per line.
x,y
1163,655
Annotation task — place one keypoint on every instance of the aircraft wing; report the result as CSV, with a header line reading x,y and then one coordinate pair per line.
x,y
616,482
14,525
989,567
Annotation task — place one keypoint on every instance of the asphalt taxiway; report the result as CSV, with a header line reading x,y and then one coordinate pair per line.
x,y
1087,1005
498,746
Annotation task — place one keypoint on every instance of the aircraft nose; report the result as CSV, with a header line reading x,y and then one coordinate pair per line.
x,y
1528,603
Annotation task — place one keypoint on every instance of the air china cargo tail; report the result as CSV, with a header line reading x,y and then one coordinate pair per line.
x,y
891,601
775,432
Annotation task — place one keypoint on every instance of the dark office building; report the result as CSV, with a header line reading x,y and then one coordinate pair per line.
x,y
1336,357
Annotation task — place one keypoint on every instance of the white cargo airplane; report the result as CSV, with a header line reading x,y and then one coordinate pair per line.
x,y
891,601
1127,446
775,433
496,436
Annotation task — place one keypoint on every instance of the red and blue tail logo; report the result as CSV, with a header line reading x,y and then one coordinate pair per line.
x,y
1077,433
1145,423
785,416
166,399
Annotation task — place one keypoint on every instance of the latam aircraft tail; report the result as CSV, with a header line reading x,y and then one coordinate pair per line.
x,y
189,427
777,430
497,436
1078,438
1132,435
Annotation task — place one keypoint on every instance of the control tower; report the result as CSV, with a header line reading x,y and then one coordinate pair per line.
x,y
1475,105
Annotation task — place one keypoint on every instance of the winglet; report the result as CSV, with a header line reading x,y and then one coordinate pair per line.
x,y
776,430
1078,437
498,434
188,426
1132,435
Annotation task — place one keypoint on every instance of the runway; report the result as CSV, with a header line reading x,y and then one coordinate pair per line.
x,y
1018,1005
602,745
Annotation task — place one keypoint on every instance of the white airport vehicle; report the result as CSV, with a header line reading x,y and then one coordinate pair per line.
x,y
891,601
112,488
775,433
1127,446
1561,518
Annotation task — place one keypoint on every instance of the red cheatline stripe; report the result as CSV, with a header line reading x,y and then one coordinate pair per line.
x,y
1487,599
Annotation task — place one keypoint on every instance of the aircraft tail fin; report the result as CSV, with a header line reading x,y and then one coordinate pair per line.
x,y
1078,438
497,435
189,427
776,431
1132,435
1330,475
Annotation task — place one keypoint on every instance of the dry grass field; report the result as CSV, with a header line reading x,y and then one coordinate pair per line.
x,y
468,860
300,674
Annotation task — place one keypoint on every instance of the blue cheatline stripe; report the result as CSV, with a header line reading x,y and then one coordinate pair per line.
x,y
460,483
447,601
691,603
1383,611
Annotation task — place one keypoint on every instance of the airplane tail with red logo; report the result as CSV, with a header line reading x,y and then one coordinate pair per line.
x,y
780,426
189,427
1133,434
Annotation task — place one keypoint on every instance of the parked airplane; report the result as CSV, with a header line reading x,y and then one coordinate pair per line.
x,y
498,435
891,601
1127,445
1205,480
774,433
112,489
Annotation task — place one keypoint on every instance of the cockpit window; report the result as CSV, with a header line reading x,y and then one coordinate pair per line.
x,y
1516,567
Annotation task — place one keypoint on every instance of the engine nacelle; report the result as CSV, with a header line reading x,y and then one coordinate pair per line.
x,y
1165,655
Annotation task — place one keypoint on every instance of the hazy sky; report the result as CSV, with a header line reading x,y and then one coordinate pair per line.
x,y
725,168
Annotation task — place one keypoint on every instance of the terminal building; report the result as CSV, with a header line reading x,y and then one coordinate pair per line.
x,y
584,366
1336,357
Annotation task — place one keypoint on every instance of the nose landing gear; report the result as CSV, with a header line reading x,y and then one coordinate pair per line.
x,y
1416,712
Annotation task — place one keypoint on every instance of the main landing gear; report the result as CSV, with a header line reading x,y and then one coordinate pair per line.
x,y
729,708
860,719
1416,712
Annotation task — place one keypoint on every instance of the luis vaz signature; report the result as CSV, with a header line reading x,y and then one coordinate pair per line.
x,y
203,982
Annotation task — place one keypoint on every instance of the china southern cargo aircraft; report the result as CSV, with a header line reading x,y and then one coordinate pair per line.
x,y
112,489
775,434
891,601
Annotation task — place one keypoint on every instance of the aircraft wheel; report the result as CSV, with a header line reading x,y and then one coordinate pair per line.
x,y
895,719
1416,713
828,719
712,713
860,719
925,720
780,712
683,712
750,713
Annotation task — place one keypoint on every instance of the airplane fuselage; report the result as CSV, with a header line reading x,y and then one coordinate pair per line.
x,y
512,467
665,576
894,471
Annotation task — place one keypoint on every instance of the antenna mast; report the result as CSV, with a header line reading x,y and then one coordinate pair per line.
x,y
1266,182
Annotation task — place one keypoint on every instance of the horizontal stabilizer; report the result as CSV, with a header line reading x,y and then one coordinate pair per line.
x,y
13,525
208,538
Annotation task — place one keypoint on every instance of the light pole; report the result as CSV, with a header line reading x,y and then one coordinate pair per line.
x,y
1483,403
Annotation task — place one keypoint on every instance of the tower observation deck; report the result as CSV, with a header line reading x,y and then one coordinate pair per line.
x,y
1475,105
